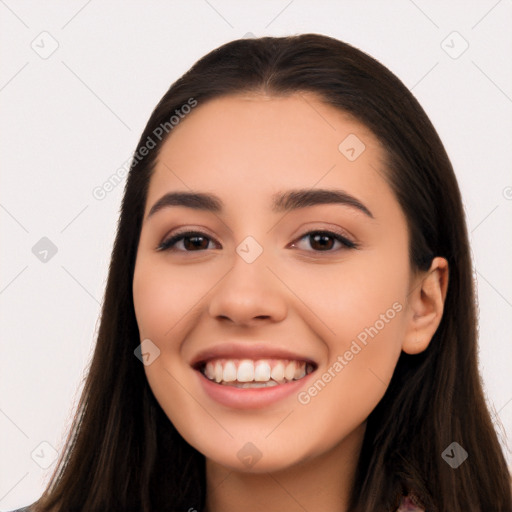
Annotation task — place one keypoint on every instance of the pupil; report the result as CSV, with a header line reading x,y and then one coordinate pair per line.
x,y
323,238
194,243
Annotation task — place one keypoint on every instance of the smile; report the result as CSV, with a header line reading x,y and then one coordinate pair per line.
x,y
260,373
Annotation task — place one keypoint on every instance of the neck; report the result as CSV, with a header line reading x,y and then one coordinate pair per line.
x,y
320,483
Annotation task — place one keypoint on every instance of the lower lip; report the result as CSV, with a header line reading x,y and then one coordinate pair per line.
x,y
250,398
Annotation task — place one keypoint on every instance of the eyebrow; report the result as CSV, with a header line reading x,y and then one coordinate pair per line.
x,y
281,201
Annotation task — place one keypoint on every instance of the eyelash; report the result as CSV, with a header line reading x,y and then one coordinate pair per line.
x,y
168,245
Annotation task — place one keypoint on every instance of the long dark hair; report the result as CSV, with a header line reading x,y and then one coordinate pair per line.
x,y
123,453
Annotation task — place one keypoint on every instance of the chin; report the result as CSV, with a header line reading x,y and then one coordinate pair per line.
x,y
252,458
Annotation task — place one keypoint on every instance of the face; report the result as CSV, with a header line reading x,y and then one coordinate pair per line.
x,y
268,287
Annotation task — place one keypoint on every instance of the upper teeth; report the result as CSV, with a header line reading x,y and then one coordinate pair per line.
x,y
262,370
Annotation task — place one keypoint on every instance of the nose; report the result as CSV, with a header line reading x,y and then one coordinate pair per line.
x,y
248,294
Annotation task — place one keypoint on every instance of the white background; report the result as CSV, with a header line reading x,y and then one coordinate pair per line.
x,y
69,121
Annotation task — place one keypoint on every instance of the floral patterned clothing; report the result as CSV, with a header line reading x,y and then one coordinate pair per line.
x,y
408,504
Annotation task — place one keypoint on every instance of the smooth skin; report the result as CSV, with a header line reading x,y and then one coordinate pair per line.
x,y
296,294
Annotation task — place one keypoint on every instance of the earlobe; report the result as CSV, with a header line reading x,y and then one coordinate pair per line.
x,y
425,306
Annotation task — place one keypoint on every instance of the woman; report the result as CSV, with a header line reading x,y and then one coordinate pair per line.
x,y
292,268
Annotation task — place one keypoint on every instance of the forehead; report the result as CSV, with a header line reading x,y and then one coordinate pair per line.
x,y
246,146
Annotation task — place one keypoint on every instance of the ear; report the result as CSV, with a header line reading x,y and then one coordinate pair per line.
x,y
425,306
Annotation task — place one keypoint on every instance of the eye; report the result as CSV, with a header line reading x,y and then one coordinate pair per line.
x,y
191,240
323,241
195,241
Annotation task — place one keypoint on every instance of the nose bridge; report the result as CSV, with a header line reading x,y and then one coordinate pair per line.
x,y
249,289
249,275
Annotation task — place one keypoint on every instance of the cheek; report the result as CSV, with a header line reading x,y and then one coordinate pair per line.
x,y
364,307
362,303
162,299
362,358
364,293
371,308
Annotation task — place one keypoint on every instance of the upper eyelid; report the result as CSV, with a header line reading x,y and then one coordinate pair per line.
x,y
188,232
204,231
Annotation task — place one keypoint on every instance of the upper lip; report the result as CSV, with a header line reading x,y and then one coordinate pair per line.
x,y
246,351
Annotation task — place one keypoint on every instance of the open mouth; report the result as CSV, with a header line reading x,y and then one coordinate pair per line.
x,y
249,373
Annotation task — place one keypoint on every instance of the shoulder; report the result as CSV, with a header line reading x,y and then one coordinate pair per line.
x,y
409,504
24,509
